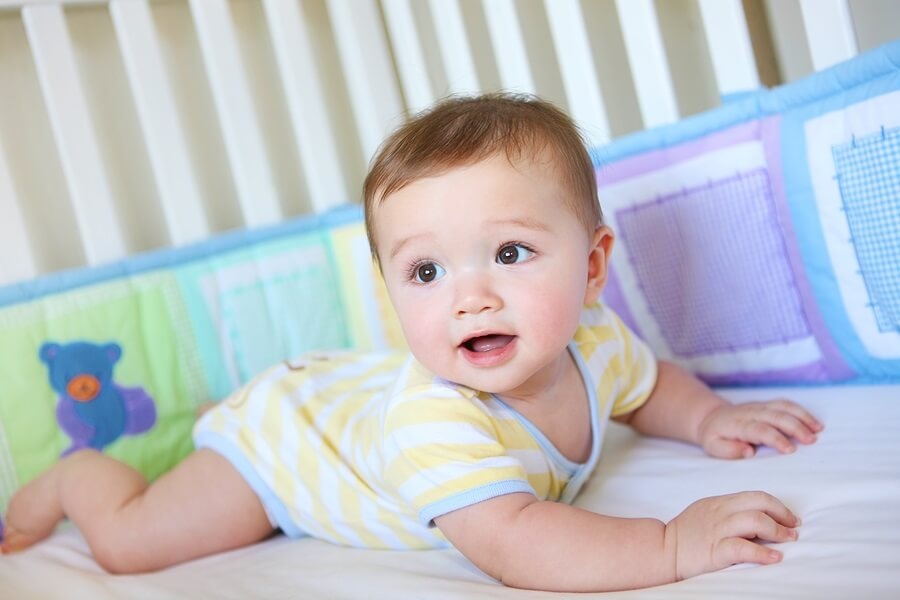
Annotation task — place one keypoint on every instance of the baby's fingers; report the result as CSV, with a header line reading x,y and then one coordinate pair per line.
x,y
752,524
762,502
764,432
721,447
789,423
800,413
735,550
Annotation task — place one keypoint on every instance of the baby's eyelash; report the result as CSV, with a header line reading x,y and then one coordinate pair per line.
x,y
525,245
413,266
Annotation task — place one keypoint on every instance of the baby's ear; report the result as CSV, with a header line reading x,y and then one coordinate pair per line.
x,y
598,262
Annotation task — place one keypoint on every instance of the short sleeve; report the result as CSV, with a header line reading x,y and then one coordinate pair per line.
x,y
442,453
621,365
639,369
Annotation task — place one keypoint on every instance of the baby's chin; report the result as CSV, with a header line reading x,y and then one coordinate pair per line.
x,y
484,381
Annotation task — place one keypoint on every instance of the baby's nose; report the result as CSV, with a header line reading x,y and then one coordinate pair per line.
x,y
475,295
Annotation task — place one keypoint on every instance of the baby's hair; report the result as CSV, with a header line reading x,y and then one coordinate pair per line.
x,y
462,130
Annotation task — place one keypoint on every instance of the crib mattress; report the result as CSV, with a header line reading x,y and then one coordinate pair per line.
x,y
846,488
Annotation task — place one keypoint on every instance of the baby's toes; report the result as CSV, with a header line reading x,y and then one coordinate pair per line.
x,y
15,541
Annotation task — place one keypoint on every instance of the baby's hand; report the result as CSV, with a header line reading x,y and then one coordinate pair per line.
x,y
733,430
714,533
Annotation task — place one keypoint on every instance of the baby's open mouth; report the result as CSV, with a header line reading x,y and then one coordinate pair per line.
x,y
486,343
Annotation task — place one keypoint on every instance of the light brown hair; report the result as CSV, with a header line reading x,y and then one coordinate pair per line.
x,y
461,130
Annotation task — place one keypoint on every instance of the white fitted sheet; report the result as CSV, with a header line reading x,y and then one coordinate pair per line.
x,y
846,488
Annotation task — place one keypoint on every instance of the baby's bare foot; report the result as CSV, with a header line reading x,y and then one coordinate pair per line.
x,y
13,541
33,514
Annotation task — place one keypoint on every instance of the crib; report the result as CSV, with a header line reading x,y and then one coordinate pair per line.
x,y
139,135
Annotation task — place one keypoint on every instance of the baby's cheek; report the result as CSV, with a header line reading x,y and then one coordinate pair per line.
x,y
556,314
423,339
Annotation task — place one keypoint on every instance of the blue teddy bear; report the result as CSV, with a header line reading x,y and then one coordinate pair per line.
x,y
92,409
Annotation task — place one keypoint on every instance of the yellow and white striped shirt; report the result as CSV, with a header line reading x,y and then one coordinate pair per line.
x,y
367,449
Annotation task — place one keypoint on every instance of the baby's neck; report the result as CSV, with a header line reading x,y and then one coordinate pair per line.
x,y
560,409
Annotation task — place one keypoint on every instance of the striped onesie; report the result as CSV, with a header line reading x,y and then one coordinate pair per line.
x,y
366,449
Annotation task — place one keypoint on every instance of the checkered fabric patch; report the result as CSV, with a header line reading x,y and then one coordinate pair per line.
x,y
868,174
712,266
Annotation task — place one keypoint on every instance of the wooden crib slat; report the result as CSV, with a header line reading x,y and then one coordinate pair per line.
x,y
307,104
509,45
409,54
18,260
179,193
368,70
647,58
453,41
244,144
829,31
576,63
73,131
729,45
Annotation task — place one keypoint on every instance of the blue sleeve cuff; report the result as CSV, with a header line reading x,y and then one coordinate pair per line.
x,y
473,496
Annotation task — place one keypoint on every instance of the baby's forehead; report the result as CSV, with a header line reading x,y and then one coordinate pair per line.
x,y
542,160
539,160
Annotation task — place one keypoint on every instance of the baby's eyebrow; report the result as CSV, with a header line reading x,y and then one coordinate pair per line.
x,y
404,241
525,222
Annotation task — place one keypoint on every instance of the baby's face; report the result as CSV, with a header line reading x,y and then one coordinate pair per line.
x,y
488,270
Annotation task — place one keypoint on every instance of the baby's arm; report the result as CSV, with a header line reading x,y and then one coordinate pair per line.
x,y
544,545
682,407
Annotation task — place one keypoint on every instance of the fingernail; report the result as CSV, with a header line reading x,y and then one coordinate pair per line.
x,y
748,452
774,556
794,533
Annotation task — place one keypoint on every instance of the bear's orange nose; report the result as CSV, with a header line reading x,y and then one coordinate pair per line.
x,y
83,388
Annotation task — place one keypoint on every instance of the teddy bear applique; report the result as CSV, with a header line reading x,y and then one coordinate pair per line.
x,y
92,409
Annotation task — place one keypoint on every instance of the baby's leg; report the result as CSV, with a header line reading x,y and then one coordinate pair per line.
x,y
200,507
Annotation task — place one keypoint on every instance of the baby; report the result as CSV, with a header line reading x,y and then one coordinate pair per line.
x,y
483,217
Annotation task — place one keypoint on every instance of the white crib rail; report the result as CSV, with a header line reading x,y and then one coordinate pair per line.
x,y
830,29
18,262
571,41
731,49
457,54
334,76
307,104
73,131
179,193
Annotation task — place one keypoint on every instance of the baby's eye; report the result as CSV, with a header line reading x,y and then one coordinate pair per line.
x,y
428,272
513,253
